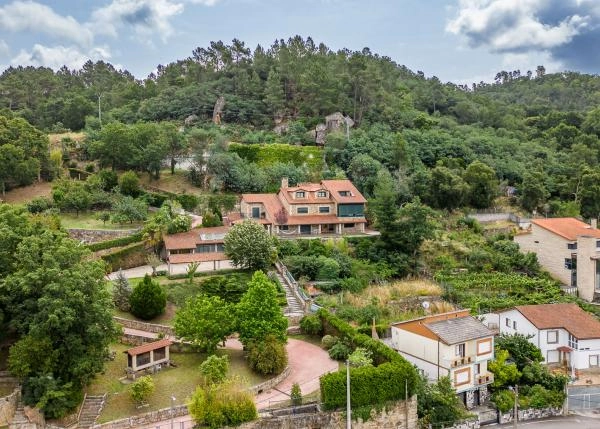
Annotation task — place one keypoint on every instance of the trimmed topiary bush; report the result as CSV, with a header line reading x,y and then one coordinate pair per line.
x,y
311,325
268,356
214,368
328,341
148,299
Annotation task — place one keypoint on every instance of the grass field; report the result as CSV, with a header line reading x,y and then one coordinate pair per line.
x,y
179,382
176,183
27,193
88,220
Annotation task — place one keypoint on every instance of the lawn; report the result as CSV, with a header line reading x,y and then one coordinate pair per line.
x,y
25,194
176,183
179,382
88,220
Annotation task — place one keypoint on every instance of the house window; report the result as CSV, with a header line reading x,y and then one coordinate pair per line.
x,y
324,209
573,342
515,325
142,359
569,263
572,246
552,337
594,360
459,350
300,194
597,244
204,248
220,247
160,354
255,212
302,210
507,322
322,194
283,227
477,368
345,193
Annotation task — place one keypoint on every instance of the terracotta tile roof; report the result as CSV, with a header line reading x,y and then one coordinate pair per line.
x,y
337,186
187,258
270,201
190,239
322,219
567,227
148,347
310,196
571,317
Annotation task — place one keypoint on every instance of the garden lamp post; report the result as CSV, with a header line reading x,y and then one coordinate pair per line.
x,y
173,399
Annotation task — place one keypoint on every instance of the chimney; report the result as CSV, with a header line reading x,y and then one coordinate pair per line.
x,y
594,223
284,183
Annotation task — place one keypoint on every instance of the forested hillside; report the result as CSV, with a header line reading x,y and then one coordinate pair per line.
x,y
537,132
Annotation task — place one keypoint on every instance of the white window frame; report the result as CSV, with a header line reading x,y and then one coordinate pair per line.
x,y
300,194
304,208
460,348
597,360
549,333
573,342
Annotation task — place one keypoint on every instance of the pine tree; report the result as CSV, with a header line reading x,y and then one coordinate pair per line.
x,y
121,292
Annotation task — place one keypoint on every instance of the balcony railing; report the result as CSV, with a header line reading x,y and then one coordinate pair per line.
x,y
461,361
482,379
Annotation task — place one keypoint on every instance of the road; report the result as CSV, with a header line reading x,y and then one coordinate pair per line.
x,y
570,422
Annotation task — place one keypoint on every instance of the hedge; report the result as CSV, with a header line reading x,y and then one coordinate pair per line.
x,y
203,273
370,385
117,242
118,259
267,154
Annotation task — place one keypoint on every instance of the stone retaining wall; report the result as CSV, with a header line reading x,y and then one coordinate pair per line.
x,y
468,424
97,235
144,326
8,405
272,382
531,414
145,419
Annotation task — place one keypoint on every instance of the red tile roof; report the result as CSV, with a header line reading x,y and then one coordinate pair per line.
x,y
567,227
148,347
187,258
336,186
270,201
190,239
571,317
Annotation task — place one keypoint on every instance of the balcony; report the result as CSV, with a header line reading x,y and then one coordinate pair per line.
x,y
462,361
482,379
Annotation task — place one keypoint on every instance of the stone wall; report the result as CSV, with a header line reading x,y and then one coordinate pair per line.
x,y
97,235
394,417
531,414
145,419
272,382
8,405
143,326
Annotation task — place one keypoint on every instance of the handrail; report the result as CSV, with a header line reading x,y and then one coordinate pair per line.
x,y
81,407
292,283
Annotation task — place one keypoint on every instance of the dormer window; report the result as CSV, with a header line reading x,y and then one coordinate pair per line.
x,y
321,194
345,193
300,194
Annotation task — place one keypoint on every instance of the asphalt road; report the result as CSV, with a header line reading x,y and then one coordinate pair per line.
x,y
571,422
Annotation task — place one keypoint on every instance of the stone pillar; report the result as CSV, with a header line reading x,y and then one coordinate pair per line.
x,y
470,399
484,394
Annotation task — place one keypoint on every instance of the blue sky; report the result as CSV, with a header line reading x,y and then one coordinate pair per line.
x,y
457,40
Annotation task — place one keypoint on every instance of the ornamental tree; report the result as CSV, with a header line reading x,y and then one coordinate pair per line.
x,y
148,299
205,321
258,312
250,246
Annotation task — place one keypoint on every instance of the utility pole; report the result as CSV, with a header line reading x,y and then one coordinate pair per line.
x,y
348,408
99,110
516,411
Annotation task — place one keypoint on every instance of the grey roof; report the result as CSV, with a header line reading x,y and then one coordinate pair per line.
x,y
454,331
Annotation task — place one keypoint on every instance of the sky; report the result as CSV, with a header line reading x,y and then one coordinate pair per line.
x,y
460,41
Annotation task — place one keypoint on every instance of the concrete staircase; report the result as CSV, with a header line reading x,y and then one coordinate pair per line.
x,y
90,410
294,307
19,420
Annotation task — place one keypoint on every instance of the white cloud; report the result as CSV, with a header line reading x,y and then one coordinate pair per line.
x,y
29,16
57,56
515,25
146,17
4,48
204,2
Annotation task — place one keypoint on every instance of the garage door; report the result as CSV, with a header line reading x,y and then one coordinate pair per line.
x,y
552,356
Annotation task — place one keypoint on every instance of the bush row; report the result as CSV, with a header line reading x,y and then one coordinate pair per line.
x,y
117,242
128,257
155,199
371,385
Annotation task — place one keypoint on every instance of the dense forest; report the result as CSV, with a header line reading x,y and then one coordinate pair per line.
x,y
531,135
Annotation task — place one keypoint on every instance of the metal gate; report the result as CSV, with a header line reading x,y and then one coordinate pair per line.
x,y
583,398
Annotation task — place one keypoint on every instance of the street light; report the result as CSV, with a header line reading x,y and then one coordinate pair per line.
x,y
348,409
515,389
173,399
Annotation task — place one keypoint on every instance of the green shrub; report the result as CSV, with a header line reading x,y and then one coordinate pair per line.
x,y
311,325
504,400
214,368
141,389
148,299
339,351
328,341
188,201
39,205
129,184
268,356
296,394
131,256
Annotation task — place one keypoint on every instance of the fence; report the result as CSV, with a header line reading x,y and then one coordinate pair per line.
x,y
583,398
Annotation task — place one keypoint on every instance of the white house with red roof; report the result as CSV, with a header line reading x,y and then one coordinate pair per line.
x,y
327,207
564,333
568,249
